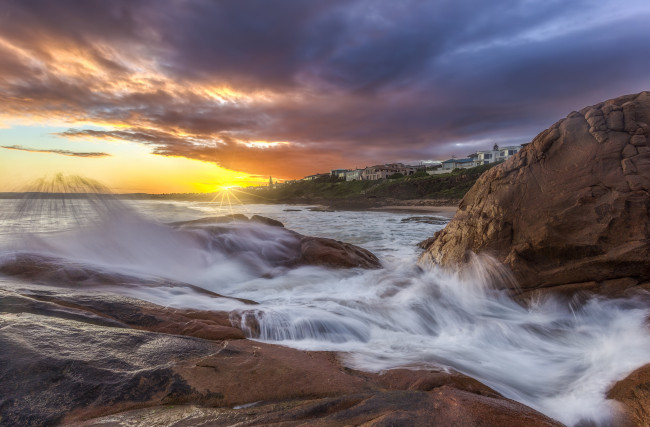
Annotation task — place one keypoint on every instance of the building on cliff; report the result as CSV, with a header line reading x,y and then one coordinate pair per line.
x,y
451,164
339,173
376,172
496,154
316,176
353,175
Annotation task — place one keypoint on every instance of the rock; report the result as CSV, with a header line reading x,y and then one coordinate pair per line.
x,y
70,357
224,219
63,273
638,140
571,207
332,253
445,406
292,249
615,121
634,393
268,221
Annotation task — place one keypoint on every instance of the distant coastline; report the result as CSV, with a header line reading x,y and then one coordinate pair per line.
x,y
407,193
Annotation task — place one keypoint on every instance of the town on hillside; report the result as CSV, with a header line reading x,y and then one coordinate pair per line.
x,y
377,172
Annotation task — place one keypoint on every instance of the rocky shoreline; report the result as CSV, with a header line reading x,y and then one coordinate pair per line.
x,y
80,358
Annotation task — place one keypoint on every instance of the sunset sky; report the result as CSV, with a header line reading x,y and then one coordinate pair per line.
x,y
191,95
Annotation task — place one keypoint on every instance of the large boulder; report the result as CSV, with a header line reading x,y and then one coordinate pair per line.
x,y
570,211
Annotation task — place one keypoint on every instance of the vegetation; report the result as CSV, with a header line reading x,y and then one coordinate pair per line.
x,y
452,185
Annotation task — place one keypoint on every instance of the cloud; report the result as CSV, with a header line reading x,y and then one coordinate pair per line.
x,y
54,151
340,83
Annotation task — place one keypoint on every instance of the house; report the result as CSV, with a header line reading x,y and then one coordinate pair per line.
x,y
353,175
339,173
434,168
496,154
403,169
376,172
451,164
313,177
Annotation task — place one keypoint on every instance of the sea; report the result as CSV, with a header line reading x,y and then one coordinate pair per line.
x,y
559,357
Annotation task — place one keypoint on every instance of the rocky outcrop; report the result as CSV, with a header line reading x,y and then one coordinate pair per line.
x,y
296,249
69,356
570,211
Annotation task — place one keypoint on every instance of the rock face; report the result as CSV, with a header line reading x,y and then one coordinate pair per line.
x,y
570,211
69,356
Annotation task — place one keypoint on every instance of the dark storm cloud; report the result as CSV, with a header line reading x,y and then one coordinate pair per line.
x,y
54,151
343,82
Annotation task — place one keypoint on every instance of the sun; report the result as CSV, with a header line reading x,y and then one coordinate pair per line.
x,y
226,187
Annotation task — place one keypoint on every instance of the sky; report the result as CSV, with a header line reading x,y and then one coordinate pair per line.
x,y
168,96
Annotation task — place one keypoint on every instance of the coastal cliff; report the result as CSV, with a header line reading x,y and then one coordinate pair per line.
x,y
571,211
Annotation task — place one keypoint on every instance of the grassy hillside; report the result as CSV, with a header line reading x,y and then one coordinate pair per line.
x,y
453,185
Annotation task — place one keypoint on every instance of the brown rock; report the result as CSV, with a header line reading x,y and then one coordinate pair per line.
x,y
268,221
445,406
634,393
629,151
629,116
299,249
224,219
567,209
615,121
638,140
332,253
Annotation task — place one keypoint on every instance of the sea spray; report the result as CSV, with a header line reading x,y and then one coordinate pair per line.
x,y
556,356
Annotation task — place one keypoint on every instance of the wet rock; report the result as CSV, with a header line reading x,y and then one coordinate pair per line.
x,y
268,221
291,249
51,366
634,393
445,406
426,220
60,272
333,253
224,219
70,356
571,207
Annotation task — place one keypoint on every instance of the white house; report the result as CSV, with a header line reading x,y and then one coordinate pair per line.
x,y
451,164
496,154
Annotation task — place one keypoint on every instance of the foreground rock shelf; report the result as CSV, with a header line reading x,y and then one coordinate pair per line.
x,y
70,356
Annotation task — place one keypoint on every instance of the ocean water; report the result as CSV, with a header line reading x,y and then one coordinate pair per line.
x,y
557,357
